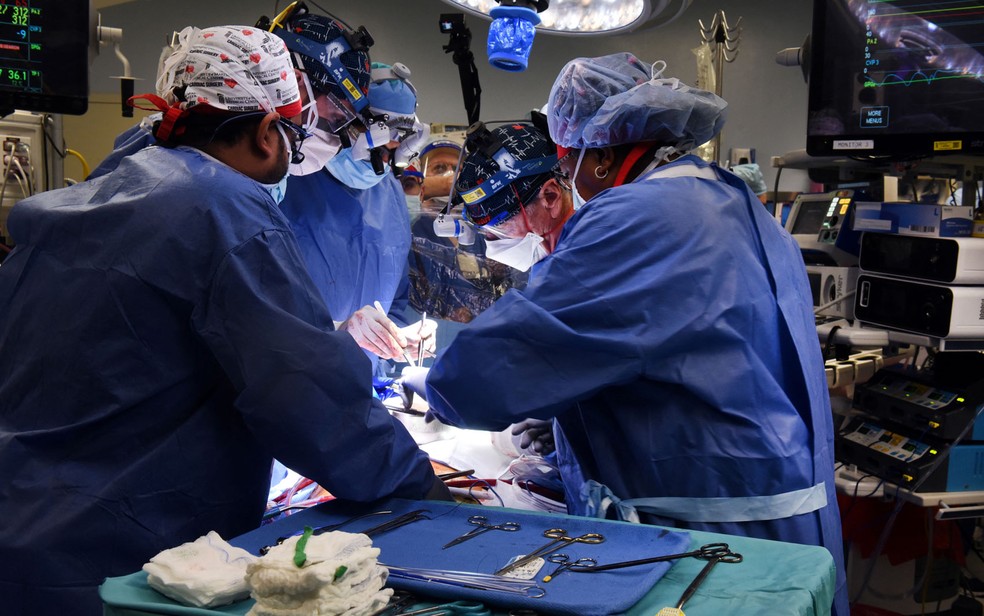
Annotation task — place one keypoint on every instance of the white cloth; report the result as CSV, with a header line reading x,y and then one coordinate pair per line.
x,y
206,572
340,576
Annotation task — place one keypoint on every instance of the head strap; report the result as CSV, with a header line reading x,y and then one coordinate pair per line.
x,y
172,114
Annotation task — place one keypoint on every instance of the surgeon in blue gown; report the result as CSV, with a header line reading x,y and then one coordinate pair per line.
x,y
669,332
351,223
163,342
130,141
353,227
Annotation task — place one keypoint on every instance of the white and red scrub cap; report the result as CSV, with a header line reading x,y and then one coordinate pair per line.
x,y
237,69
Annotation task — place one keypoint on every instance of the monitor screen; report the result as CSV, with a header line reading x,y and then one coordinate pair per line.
x,y
897,78
44,55
806,217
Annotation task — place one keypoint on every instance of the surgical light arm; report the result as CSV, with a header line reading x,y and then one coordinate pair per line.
x,y
114,37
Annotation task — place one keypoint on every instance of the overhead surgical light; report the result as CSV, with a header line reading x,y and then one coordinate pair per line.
x,y
511,33
589,17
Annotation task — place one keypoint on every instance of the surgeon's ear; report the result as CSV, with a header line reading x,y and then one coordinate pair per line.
x,y
553,197
268,141
607,164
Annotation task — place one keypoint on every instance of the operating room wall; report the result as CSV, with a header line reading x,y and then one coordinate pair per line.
x,y
767,101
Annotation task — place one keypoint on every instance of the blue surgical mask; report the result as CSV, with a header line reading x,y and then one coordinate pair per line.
x,y
413,206
576,196
357,174
278,190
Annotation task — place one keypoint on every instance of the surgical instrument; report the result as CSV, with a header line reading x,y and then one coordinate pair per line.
x,y
560,539
420,342
705,552
400,600
564,561
406,518
403,603
730,557
469,579
406,355
483,525
446,476
323,529
453,608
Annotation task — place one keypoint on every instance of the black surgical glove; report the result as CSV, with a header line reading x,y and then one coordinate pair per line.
x,y
414,379
537,434
439,491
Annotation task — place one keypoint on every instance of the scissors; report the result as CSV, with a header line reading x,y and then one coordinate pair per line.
x,y
729,557
709,551
483,526
560,539
564,561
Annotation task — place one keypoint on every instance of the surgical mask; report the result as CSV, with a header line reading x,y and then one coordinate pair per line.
x,y
278,191
413,206
319,148
519,253
576,197
357,174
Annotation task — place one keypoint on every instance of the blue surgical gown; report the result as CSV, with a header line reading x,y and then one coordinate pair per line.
x,y
162,342
354,242
671,336
130,141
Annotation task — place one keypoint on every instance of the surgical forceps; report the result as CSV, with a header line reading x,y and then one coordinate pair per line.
x,y
406,518
560,539
705,552
420,343
564,561
322,529
483,525
403,603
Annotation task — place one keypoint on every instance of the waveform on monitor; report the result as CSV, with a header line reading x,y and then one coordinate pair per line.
x,y
894,79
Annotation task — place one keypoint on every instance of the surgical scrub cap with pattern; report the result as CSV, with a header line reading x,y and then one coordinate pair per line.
x,y
232,69
616,99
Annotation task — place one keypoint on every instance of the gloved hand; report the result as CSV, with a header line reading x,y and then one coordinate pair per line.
x,y
425,330
414,380
437,186
537,434
374,332
439,491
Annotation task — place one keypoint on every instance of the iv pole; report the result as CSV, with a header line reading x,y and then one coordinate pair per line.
x,y
723,39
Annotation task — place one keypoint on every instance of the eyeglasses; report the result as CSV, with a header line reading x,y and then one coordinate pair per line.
x,y
496,228
295,138
558,169
294,133
440,168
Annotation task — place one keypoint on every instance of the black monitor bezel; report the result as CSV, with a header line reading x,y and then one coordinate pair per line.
x,y
888,145
69,35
